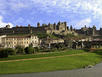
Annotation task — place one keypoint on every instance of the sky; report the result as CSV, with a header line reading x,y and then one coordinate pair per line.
x,y
77,13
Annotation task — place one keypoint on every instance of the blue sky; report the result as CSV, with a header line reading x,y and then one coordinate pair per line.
x,y
75,12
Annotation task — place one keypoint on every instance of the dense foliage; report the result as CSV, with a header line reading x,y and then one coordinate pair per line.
x,y
19,49
29,50
3,53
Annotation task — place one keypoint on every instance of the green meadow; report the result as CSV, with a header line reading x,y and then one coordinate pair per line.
x,y
73,61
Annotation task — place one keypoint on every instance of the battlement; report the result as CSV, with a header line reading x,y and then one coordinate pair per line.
x,y
57,28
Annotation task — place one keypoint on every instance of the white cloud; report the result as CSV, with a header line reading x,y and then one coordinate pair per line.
x,y
83,22
62,8
93,6
3,24
18,5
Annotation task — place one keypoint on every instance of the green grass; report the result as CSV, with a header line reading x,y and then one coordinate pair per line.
x,y
51,64
49,54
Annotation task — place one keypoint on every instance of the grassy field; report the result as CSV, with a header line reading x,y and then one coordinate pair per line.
x,y
48,54
51,64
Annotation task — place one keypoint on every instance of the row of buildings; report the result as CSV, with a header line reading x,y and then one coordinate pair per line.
x,y
24,41
10,38
11,41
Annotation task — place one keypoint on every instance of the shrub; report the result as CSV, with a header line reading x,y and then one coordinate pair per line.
x,y
29,50
3,53
36,49
19,49
10,51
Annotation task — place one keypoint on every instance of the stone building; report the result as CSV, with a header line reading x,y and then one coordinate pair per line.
x,y
49,41
91,31
24,41
1,37
57,28
21,30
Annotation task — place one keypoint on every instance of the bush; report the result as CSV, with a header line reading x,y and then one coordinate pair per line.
x,y
10,51
3,53
19,49
36,49
29,50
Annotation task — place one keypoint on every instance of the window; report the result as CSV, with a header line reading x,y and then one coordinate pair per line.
x,y
27,42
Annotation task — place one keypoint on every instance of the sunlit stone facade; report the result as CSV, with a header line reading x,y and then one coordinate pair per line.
x,y
13,41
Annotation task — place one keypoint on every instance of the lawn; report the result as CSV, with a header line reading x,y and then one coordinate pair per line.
x,y
50,64
48,54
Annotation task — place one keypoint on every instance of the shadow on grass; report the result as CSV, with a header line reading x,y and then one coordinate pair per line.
x,y
97,51
86,50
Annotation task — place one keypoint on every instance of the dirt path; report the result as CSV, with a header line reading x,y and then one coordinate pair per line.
x,y
42,58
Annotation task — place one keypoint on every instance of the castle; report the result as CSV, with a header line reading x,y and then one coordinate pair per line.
x,y
60,28
89,31
57,28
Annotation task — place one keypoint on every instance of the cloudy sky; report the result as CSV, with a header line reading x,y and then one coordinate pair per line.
x,y
75,12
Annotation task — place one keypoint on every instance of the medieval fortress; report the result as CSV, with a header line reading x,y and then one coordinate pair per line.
x,y
57,28
9,36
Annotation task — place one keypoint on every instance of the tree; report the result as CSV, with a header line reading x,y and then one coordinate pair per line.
x,y
68,43
29,50
3,53
10,51
19,49
87,44
36,49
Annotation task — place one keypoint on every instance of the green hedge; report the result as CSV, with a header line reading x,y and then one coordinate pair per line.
x,y
3,53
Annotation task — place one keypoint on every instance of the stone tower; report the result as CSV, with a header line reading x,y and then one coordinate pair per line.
x,y
54,25
38,24
94,30
59,23
29,25
71,28
65,23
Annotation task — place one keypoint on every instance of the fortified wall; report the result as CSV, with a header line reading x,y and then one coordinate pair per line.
x,y
57,28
